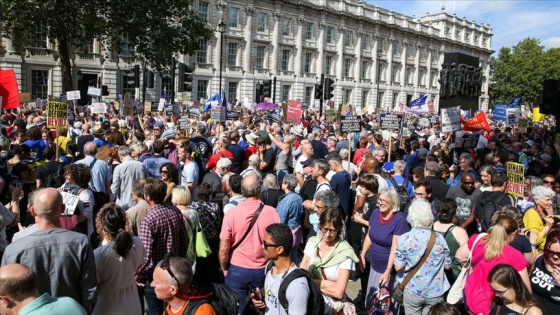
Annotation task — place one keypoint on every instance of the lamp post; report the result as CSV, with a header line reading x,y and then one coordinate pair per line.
x,y
379,54
221,29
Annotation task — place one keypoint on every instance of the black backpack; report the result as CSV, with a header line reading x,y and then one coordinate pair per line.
x,y
220,296
483,215
315,302
402,191
56,179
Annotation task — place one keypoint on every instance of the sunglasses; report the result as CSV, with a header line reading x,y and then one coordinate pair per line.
x,y
165,266
552,253
468,183
548,182
267,245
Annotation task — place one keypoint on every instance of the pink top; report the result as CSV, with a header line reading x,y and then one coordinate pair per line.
x,y
236,221
478,293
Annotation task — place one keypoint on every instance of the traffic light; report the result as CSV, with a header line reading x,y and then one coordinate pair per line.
x,y
318,90
185,77
266,88
328,89
149,79
104,90
134,76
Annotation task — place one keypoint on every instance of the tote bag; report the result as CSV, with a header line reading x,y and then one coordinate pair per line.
x,y
456,293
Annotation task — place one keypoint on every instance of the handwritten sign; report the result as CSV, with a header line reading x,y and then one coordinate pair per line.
x,y
391,121
57,114
450,119
516,179
70,201
350,124
73,95
294,112
98,108
93,91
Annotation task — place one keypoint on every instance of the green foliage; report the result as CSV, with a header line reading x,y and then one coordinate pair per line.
x,y
521,69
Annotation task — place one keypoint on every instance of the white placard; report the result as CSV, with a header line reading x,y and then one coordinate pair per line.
x,y
218,114
73,95
161,104
450,119
512,116
93,91
70,201
98,108
424,122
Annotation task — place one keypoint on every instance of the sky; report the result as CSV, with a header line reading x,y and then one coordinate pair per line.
x,y
511,20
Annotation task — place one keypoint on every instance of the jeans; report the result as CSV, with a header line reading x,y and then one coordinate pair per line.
x,y
155,305
239,279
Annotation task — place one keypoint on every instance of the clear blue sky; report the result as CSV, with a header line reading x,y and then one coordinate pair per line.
x,y
511,20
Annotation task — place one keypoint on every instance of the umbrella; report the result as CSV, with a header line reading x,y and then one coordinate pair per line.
x,y
266,106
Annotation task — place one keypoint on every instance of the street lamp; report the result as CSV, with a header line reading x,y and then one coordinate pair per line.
x,y
379,54
221,29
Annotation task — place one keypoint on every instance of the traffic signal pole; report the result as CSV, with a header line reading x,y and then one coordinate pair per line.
x,y
172,93
321,99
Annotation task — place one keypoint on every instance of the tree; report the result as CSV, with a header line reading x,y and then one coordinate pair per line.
x,y
156,30
520,71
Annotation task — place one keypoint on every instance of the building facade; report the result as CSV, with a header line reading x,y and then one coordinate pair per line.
x,y
378,58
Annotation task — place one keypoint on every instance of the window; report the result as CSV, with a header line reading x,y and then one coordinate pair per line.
x,y
365,70
380,99
40,84
382,45
232,54
396,101
330,35
203,10
347,67
349,39
467,36
423,54
166,85
435,56
261,22
287,27
40,36
395,46
126,49
396,74
307,65
410,51
127,84
201,89
308,94
447,31
328,64
260,57
347,96
365,41
87,46
286,92
383,75
423,77
457,34
434,77
364,98
233,17
285,60
309,31
409,76
476,39
232,92
202,53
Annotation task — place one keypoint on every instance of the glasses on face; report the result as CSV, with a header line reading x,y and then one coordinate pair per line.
x,y
267,245
382,201
500,294
468,183
420,194
165,266
548,182
329,231
553,253
164,171
319,207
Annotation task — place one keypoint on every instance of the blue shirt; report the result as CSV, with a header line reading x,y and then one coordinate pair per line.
x,y
190,174
290,209
100,173
400,180
45,304
153,165
340,183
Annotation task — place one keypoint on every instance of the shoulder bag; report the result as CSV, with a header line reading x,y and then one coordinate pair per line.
x,y
456,293
399,290
253,221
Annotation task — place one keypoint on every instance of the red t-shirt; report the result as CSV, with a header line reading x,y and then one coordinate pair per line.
x,y
250,151
211,165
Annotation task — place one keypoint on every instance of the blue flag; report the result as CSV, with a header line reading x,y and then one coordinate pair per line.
x,y
208,104
516,102
419,101
224,103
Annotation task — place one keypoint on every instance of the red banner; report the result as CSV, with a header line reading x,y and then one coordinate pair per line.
x,y
294,112
9,91
476,123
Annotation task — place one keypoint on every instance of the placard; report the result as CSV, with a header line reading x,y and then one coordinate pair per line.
x,y
194,111
93,91
98,108
512,116
294,112
73,95
218,114
424,122
435,119
391,121
147,107
71,116
330,116
350,124
177,108
450,119
168,109
70,202
57,114
183,122
161,104
24,98
500,112
516,179
470,141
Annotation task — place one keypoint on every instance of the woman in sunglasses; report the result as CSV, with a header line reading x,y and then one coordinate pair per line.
x,y
545,276
511,296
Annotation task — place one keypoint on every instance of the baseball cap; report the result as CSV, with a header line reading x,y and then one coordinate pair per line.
x,y
422,151
307,162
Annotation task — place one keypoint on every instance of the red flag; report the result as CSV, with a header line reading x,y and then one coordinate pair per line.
x,y
9,91
478,122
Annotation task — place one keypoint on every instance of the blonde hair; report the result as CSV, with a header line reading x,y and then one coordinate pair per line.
x,y
181,196
498,237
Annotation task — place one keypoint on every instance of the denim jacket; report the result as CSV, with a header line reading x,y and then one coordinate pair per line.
x,y
290,209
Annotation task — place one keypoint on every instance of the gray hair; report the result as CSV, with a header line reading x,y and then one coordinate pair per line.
x,y
392,196
290,180
323,165
200,128
534,180
329,197
270,182
223,163
254,190
433,168
491,170
541,192
343,154
420,214
399,166
334,157
378,150
90,148
124,150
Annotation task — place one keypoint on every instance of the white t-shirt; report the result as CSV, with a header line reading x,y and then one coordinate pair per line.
x,y
297,294
190,174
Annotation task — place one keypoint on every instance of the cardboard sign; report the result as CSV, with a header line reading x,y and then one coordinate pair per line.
x,y
168,109
330,116
24,98
294,112
57,114
70,201
424,122
183,122
391,121
71,116
218,113
194,111
350,124
450,119
512,116
177,108
516,179
161,104
93,91
98,108
73,95
470,141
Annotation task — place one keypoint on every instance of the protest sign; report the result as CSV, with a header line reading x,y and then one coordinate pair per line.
x,y
516,179
25,97
424,122
435,119
70,202
93,91
183,122
294,112
450,119
350,124
71,116
218,113
512,116
330,116
57,114
500,112
168,109
391,121
194,111
98,108
470,141
161,104
177,108
476,123
73,95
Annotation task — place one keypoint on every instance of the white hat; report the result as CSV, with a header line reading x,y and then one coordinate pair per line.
x,y
298,131
251,138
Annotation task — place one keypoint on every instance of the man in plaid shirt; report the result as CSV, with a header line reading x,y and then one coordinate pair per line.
x,y
162,231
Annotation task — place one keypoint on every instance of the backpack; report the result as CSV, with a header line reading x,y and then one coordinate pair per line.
x,y
402,191
56,179
484,214
315,301
220,296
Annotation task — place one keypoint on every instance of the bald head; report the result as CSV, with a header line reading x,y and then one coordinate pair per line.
x,y
17,282
90,148
251,185
48,203
371,165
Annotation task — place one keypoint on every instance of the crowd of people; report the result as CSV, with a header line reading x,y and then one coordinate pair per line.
x,y
106,216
